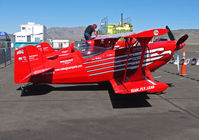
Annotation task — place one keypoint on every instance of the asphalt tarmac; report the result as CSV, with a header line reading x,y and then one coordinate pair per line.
x,y
93,112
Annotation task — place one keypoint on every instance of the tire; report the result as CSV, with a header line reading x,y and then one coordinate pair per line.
x,y
193,61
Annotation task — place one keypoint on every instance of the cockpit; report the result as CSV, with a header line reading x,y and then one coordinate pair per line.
x,y
88,51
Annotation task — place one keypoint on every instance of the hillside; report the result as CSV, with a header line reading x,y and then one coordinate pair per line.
x,y
72,34
193,34
77,33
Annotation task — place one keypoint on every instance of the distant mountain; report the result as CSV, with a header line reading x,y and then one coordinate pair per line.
x,y
72,34
77,33
193,35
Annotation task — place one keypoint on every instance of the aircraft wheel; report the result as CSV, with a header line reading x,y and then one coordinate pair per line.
x,y
193,61
24,91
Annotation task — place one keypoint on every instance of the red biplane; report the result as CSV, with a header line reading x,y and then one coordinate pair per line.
x,y
127,67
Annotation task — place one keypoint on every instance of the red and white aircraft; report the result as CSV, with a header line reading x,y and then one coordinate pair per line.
x,y
127,67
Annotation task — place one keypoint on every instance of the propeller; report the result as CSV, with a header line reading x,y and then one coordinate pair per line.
x,y
180,41
170,34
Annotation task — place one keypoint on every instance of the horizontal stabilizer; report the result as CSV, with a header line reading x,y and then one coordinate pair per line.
x,y
40,71
34,73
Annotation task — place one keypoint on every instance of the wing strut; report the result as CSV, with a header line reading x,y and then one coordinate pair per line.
x,y
138,75
127,44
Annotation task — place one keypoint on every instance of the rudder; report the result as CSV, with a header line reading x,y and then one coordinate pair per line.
x,y
28,60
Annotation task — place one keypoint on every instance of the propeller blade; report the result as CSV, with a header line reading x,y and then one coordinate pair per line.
x,y
182,39
170,34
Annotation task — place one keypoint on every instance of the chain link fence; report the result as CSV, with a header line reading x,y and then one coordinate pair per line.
x,y
5,50
5,57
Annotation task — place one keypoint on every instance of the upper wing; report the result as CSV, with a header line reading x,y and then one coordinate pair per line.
x,y
149,33
111,39
113,36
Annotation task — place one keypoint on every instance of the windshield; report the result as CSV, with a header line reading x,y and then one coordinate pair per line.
x,y
89,51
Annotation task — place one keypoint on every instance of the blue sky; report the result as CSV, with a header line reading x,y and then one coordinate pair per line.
x,y
144,14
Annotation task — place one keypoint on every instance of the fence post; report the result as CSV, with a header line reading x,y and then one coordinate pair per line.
x,y
5,56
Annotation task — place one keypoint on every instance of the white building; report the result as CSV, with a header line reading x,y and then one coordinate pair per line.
x,y
31,32
59,44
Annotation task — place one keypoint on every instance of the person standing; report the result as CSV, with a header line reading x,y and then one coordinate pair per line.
x,y
89,30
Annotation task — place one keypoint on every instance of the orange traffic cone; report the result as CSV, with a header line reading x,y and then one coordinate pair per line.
x,y
183,68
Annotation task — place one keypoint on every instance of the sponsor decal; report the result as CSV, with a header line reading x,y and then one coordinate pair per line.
x,y
20,58
66,51
64,54
69,68
66,61
156,32
141,89
38,46
20,52
33,57
96,58
24,59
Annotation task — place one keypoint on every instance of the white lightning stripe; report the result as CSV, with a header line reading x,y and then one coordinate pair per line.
x,y
102,68
133,67
119,61
156,54
105,59
99,60
106,72
114,66
152,59
146,64
167,52
153,55
134,54
154,50
146,61
100,64
135,58
131,63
